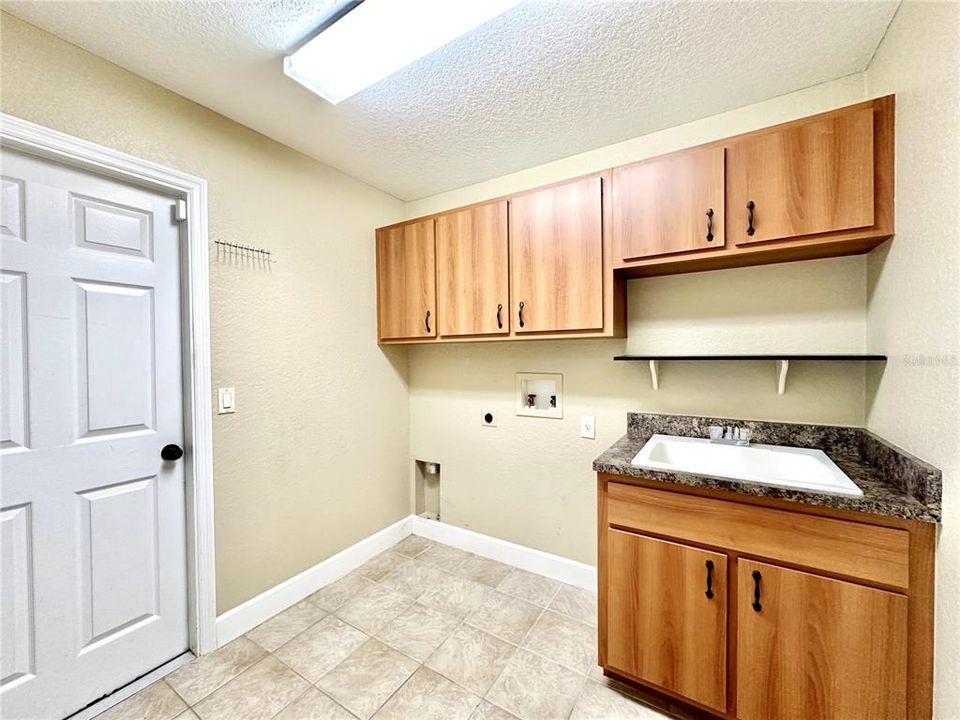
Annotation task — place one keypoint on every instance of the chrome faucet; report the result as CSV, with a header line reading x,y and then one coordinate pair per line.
x,y
730,435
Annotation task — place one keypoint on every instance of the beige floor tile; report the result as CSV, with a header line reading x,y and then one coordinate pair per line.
x,y
256,694
379,566
488,711
529,586
412,578
456,596
155,702
483,570
411,546
428,696
197,679
374,607
506,617
598,702
185,715
534,688
331,597
444,557
471,658
577,603
418,631
314,705
316,651
285,625
563,640
364,681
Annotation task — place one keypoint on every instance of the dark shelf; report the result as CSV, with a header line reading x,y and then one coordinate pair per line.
x,y
869,358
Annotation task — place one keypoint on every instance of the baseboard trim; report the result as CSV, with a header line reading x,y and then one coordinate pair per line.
x,y
243,618
552,566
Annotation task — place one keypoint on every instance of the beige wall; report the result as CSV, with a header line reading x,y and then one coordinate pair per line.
x,y
529,480
913,312
315,457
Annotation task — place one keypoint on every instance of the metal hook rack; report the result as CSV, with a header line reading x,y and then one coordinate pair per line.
x,y
248,251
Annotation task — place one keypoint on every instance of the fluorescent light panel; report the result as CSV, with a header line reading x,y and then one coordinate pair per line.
x,y
380,37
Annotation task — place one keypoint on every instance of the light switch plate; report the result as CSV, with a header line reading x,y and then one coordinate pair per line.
x,y
227,401
588,427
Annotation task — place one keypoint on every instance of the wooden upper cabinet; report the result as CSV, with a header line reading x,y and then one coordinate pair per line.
x,y
406,281
804,178
666,615
556,258
472,270
818,647
670,204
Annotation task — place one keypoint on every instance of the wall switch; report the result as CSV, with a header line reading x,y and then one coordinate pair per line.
x,y
588,427
487,418
227,401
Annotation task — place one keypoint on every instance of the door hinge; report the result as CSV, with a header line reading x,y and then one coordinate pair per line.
x,y
180,210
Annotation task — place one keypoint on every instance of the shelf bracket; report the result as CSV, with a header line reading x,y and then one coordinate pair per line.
x,y
782,367
655,374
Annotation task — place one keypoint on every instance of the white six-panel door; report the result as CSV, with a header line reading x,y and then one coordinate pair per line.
x,y
93,520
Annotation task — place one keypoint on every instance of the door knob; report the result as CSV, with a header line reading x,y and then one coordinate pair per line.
x,y
171,452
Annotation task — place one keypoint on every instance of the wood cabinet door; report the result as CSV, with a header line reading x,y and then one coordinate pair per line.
x,y
556,258
406,281
815,647
473,272
669,205
662,624
807,178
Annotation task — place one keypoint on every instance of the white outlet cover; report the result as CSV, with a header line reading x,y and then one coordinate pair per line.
x,y
484,414
588,427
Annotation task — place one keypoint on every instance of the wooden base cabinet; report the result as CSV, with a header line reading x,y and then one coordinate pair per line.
x,y
743,613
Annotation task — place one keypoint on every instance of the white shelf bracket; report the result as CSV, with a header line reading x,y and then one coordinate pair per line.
x,y
655,374
782,367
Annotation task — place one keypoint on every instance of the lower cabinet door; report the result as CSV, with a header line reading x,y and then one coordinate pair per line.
x,y
666,616
814,647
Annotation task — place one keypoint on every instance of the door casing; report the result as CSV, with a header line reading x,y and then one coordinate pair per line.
x,y
37,140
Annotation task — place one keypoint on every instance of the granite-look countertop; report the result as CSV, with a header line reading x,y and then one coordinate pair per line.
x,y
894,483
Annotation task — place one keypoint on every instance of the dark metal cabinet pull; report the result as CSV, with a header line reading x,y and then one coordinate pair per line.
x,y
756,590
520,314
499,321
750,229
710,225
709,592
426,321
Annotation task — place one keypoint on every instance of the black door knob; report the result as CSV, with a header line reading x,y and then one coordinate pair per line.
x,y
171,452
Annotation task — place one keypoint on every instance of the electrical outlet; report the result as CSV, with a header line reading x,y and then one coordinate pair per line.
x,y
487,418
588,427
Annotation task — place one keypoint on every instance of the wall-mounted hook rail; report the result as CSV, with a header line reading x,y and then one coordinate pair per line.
x,y
248,251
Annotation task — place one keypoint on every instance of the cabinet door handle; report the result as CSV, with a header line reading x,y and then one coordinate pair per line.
x,y
750,229
756,590
710,225
709,592
499,321
520,314
426,321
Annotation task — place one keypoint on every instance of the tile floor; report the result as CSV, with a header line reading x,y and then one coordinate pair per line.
x,y
423,631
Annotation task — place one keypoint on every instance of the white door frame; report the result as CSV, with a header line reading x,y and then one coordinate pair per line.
x,y
28,137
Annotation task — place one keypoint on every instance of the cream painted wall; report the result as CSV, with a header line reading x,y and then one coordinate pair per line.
x,y
529,480
913,312
316,456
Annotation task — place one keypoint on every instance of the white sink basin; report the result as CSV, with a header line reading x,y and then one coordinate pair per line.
x,y
789,467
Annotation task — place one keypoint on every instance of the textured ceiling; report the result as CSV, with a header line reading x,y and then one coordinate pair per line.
x,y
543,81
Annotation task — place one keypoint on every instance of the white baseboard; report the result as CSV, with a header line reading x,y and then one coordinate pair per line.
x,y
559,568
243,618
